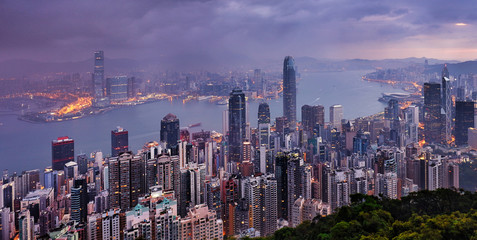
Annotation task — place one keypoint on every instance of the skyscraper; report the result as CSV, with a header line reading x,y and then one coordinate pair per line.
x,y
170,130
447,104
464,119
263,113
119,141
62,151
336,114
311,116
79,201
98,75
289,91
432,112
282,184
237,124
117,88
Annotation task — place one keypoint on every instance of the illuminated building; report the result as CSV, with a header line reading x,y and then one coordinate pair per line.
x,y
336,114
170,130
201,223
62,151
237,124
79,201
289,90
432,112
263,113
119,141
117,88
447,104
282,184
98,75
464,119
311,116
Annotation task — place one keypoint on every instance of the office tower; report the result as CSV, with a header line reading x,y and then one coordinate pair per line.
x,y
261,196
336,114
62,151
282,184
447,104
117,88
464,119
119,141
237,124
432,113
360,142
79,201
289,90
170,130
311,116
263,113
201,223
4,223
31,179
260,81
82,161
98,75
71,170
411,116
126,180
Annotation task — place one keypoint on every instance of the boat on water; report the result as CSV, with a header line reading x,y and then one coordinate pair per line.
x,y
195,125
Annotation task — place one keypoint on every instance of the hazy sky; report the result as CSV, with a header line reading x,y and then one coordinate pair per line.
x,y
59,30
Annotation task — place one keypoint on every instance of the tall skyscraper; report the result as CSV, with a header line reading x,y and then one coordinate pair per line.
x,y
464,119
170,130
79,201
336,114
447,104
98,75
282,184
311,116
289,90
432,113
119,141
62,151
263,113
237,124
126,180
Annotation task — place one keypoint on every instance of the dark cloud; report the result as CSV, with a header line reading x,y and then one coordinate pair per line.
x,y
227,31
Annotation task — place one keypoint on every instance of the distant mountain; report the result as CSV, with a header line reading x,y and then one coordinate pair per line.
x,y
313,64
454,68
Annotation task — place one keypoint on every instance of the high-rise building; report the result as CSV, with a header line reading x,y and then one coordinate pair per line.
x,y
126,180
411,116
447,104
289,90
336,114
432,113
261,197
98,75
311,116
117,88
299,182
263,113
62,151
119,141
4,223
464,119
79,201
201,223
237,124
170,130
281,165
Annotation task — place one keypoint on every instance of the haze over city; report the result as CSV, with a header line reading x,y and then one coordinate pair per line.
x,y
266,120
204,33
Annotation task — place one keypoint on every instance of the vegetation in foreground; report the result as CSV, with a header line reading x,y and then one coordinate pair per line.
x,y
440,214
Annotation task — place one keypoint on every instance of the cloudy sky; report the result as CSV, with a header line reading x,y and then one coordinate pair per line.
x,y
57,30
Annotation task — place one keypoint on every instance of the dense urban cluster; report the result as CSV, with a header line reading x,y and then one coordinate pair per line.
x,y
244,181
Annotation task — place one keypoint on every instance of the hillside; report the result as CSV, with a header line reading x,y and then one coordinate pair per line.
x,y
440,214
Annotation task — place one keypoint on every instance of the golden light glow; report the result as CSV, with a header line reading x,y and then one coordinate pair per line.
x,y
422,142
76,106
461,24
